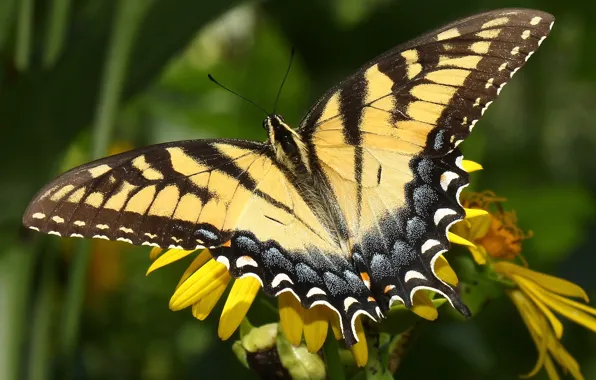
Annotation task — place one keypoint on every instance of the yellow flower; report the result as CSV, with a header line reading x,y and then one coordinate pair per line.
x,y
493,234
202,285
536,297
204,282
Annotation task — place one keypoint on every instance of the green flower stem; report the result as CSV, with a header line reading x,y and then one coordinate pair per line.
x,y
74,299
7,8
398,348
335,369
40,354
56,30
16,264
384,346
374,368
24,32
128,18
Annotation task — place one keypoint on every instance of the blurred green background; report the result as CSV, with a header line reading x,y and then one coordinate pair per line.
x,y
81,78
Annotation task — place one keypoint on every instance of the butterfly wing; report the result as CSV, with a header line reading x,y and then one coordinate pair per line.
x,y
386,139
227,195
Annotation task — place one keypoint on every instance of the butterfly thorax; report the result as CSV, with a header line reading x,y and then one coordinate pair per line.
x,y
292,154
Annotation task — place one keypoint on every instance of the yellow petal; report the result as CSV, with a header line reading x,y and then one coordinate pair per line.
x,y
479,226
456,239
360,349
542,354
565,359
291,317
202,309
334,322
478,254
198,262
461,228
529,312
241,296
423,306
554,284
198,285
316,326
551,371
554,321
471,166
536,326
444,271
566,308
587,308
167,258
543,335
154,253
336,327
474,212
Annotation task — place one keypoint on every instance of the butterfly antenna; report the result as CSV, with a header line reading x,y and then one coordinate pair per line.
x,y
284,80
237,94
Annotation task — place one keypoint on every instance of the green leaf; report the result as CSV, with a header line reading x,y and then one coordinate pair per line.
x,y
477,284
7,9
335,369
375,369
57,24
301,364
24,35
240,353
128,18
16,268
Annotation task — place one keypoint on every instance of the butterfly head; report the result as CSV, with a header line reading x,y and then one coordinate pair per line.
x,y
273,121
286,143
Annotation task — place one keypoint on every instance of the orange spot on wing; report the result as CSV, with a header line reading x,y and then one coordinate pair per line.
x,y
364,276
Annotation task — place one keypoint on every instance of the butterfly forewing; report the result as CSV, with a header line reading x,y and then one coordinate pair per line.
x,y
186,195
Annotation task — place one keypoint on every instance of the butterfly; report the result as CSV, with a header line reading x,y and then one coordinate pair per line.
x,y
351,209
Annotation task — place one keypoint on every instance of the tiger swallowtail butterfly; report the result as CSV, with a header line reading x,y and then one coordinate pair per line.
x,y
351,209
